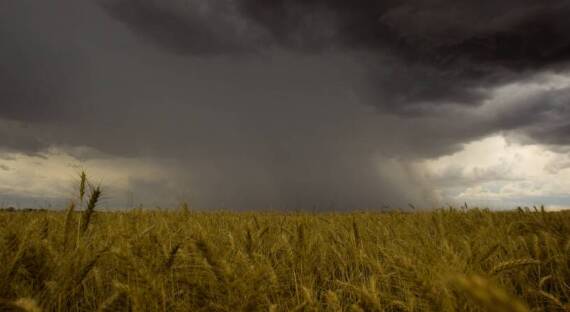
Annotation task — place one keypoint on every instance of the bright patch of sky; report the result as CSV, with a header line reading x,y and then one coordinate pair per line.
x,y
50,179
498,173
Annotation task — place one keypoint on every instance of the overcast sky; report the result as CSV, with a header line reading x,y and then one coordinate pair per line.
x,y
286,103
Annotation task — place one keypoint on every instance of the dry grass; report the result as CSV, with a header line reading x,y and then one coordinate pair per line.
x,y
179,260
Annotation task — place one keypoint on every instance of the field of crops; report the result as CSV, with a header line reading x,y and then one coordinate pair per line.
x,y
180,260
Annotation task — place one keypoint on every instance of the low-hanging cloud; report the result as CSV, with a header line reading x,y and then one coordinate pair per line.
x,y
423,54
284,103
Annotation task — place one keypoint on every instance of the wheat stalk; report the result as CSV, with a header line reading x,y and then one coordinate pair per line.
x,y
332,301
507,265
82,185
489,296
88,213
68,226
171,255
551,298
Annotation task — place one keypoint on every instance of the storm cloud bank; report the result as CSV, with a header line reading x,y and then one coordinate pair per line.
x,y
437,52
284,103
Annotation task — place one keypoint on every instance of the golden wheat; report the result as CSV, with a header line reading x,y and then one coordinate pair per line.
x,y
184,260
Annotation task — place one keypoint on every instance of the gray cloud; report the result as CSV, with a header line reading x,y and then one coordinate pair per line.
x,y
38,62
17,136
283,103
30,80
543,117
181,26
514,33
458,177
449,52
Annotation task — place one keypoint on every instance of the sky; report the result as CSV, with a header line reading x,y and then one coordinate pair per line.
x,y
286,104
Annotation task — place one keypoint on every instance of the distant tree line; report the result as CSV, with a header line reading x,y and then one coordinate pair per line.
x,y
12,209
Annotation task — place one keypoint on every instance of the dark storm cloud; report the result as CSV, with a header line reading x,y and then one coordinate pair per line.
x,y
512,33
450,51
543,117
39,63
16,136
273,130
200,27
31,80
282,103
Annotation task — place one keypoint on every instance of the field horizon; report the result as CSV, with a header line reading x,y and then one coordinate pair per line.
x,y
467,259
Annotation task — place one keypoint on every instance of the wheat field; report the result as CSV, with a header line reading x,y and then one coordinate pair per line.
x,y
82,259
